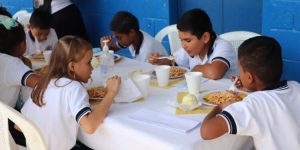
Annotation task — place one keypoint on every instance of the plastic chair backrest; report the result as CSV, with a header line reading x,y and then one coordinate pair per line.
x,y
236,38
172,32
22,16
34,139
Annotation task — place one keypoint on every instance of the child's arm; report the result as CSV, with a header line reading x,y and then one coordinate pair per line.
x,y
32,79
91,121
26,61
213,125
215,70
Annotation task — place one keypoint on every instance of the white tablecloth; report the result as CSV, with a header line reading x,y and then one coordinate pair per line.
x,y
119,132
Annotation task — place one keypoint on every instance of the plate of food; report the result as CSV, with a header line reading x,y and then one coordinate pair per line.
x,y
97,93
175,72
219,97
38,56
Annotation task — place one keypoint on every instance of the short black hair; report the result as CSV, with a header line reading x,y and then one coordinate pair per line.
x,y
10,38
3,11
41,18
261,56
195,21
123,22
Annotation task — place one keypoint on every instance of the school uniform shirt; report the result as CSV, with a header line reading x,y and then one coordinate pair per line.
x,y
66,102
149,45
13,75
271,117
221,51
32,47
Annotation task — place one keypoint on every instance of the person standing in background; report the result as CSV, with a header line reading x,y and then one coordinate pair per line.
x,y
66,18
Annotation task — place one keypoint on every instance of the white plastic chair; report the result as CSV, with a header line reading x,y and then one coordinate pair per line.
x,y
236,38
172,32
34,140
23,17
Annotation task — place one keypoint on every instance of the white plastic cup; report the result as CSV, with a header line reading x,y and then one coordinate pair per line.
x,y
142,82
162,74
47,55
193,80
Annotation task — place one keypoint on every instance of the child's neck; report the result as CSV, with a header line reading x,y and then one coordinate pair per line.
x,y
204,51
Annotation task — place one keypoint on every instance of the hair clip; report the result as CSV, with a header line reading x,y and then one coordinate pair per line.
x,y
8,22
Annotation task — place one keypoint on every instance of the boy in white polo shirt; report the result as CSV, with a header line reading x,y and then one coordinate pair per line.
x,y
126,30
201,49
271,113
40,36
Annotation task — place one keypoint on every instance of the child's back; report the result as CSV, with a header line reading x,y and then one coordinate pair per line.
x,y
59,102
270,113
269,116
61,113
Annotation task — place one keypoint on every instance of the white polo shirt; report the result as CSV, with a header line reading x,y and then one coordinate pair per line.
x,y
66,102
221,51
31,45
13,75
148,46
271,117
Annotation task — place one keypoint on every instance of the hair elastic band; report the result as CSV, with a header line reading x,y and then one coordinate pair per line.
x,y
8,22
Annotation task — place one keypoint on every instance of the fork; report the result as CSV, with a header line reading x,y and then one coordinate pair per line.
x,y
232,87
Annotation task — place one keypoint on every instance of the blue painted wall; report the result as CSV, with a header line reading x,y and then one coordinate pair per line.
x,y
228,15
281,20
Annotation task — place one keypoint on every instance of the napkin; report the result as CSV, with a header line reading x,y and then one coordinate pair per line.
x,y
166,121
128,92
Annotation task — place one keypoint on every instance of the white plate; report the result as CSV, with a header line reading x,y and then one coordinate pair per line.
x,y
153,74
201,96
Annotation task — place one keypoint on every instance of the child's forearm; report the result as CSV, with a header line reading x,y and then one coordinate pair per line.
x,y
92,121
213,113
213,126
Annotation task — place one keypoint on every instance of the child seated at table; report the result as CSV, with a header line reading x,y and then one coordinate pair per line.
x,y
40,36
59,103
271,113
15,69
201,49
126,30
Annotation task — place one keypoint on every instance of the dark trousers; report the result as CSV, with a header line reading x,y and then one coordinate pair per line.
x,y
68,21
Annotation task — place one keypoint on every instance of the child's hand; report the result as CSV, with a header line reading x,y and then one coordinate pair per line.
x,y
26,61
152,58
113,85
238,83
110,38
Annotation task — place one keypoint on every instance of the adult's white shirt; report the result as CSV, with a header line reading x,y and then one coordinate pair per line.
x,y
57,5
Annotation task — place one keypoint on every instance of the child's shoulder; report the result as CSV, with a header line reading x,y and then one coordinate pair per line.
x,y
67,83
222,44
